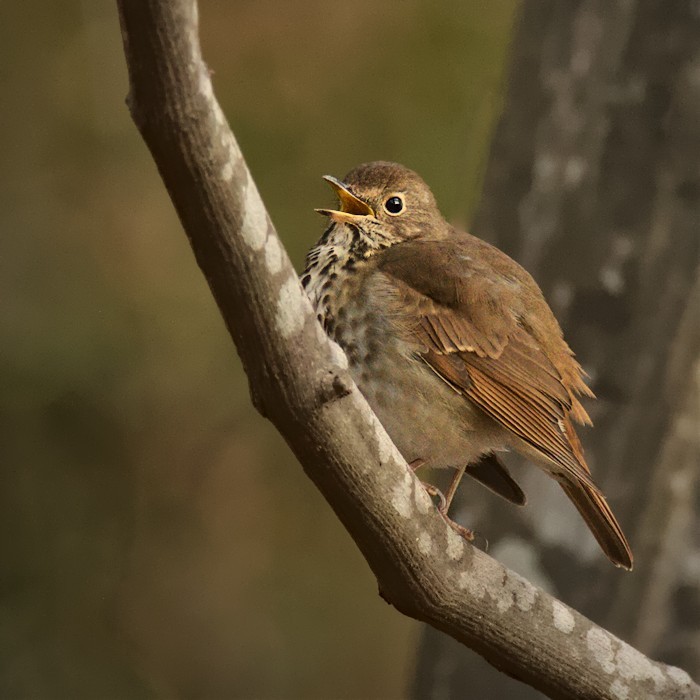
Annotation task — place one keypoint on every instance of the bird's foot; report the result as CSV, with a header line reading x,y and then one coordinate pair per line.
x,y
442,506
434,492
459,529
444,502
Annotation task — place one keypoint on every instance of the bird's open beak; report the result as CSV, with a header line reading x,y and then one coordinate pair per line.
x,y
351,208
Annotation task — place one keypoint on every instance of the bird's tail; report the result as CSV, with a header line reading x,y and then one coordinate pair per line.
x,y
601,521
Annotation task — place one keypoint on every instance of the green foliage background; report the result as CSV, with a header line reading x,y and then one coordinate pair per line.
x,y
158,539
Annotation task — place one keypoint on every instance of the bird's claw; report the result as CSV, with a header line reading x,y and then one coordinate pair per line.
x,y
459,529
434,492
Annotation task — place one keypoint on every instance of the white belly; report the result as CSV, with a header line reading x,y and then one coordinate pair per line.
x,y
425,418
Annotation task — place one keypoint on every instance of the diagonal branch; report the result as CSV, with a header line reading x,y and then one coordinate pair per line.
x,y
299,380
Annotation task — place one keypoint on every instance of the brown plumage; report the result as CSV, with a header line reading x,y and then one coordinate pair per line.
x,y
452,343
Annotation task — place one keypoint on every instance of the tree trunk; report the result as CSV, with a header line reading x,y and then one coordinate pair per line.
x,y
593,184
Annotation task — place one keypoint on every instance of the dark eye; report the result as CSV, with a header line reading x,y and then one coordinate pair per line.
x,y
394,205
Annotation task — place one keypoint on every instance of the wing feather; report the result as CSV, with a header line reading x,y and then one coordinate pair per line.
x,y
481,324
479,337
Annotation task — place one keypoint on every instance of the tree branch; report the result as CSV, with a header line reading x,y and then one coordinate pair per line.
x,y
299,380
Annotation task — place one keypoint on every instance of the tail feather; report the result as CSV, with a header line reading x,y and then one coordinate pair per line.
x,y
601,522
493,474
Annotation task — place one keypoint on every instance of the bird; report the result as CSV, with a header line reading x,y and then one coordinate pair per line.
x,y
452,344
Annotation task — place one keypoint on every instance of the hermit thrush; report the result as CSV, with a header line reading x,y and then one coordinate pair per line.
x,y
451,342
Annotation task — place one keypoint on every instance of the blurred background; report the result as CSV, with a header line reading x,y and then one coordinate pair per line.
x,y
158,538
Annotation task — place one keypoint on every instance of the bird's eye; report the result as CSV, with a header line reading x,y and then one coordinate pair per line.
x,y
394,205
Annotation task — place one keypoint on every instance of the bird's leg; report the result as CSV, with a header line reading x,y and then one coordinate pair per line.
x,y
456,479
447,502
416,464
432,491
459,529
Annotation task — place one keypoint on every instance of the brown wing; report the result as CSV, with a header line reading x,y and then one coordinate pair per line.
x,y
472,322
482,325
532,407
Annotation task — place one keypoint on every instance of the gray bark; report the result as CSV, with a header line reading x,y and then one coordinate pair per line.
x,y
594,185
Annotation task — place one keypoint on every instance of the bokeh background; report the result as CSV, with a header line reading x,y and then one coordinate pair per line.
x,y
158,539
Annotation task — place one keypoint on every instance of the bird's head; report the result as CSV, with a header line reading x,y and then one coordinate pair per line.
x,y
385,203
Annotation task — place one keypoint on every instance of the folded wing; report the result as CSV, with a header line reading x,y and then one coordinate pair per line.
x,y
482,325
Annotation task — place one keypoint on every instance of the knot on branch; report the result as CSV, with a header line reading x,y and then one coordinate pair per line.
x,y
334,385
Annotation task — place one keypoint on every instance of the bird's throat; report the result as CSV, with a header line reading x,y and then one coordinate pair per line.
x,y
330,268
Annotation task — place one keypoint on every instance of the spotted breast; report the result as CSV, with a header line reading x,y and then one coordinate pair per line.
x,y
344,286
